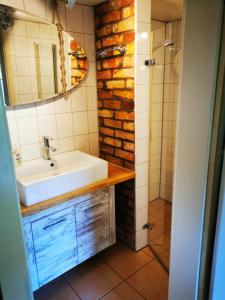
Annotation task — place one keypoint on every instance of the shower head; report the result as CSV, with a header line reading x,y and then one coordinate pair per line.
x,y
166,43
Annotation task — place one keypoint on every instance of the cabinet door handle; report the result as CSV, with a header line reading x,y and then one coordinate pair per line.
x,y
92,208
58,222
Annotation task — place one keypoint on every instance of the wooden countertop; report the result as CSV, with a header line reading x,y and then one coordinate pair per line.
x,y
116,175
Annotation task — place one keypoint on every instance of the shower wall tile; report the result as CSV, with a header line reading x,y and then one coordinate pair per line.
x,y
171,82
29,123
156,107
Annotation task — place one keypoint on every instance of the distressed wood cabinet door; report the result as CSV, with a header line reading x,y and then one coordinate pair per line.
x,y
93,226
55,244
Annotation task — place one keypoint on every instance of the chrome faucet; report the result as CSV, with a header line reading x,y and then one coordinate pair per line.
x,y
47,149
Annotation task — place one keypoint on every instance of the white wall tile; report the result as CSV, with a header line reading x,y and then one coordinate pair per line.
x,y
28,131
12,124
141,197
142,125
47,126
142,98
47,108
94,143
92,98
14,3
141,150
80,123
78,99
142,71
31,151
63,105
143,38
93,121
141,217
141,238
154,192
144,10
74,19
36,7
141,174
88,13
66,144
90,79
156,112
25,111
64,125
89,43
158,74
82,143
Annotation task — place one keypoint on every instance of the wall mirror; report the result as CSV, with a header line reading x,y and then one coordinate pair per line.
x,y
32,60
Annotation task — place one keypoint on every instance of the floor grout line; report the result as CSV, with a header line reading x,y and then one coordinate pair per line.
x,y
67,281
112,289
135,289
125,279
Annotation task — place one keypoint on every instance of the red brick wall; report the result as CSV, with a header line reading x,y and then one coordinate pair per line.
x,y
115,75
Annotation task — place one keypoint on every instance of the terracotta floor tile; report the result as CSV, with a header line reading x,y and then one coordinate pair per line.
x,y
157,249
123,292
152,234
147,250
156,203
56,290
161,226
124,260
151,281
160,213
92,279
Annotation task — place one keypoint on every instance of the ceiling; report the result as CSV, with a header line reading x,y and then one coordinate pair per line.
x,y
162,10
90,2
167,10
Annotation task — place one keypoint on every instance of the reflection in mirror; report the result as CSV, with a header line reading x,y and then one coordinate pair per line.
x,y
32,60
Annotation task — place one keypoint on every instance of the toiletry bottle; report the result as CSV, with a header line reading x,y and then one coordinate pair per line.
x,y
16,156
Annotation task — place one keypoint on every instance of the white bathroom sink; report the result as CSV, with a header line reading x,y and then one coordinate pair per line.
x,y
38,180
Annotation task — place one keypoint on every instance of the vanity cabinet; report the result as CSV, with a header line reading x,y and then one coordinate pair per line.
x,y
93,226
59,238
55,244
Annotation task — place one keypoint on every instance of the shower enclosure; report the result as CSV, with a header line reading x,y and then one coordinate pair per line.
x,y
165,71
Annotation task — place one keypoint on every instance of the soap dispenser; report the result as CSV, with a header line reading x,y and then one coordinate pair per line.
x,y
17,156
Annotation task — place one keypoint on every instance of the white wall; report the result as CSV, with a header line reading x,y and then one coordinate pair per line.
x,y
72,122
202,21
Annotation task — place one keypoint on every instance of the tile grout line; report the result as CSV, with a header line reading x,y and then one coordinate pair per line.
x,y
135,289
72,287
125,279
111,289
